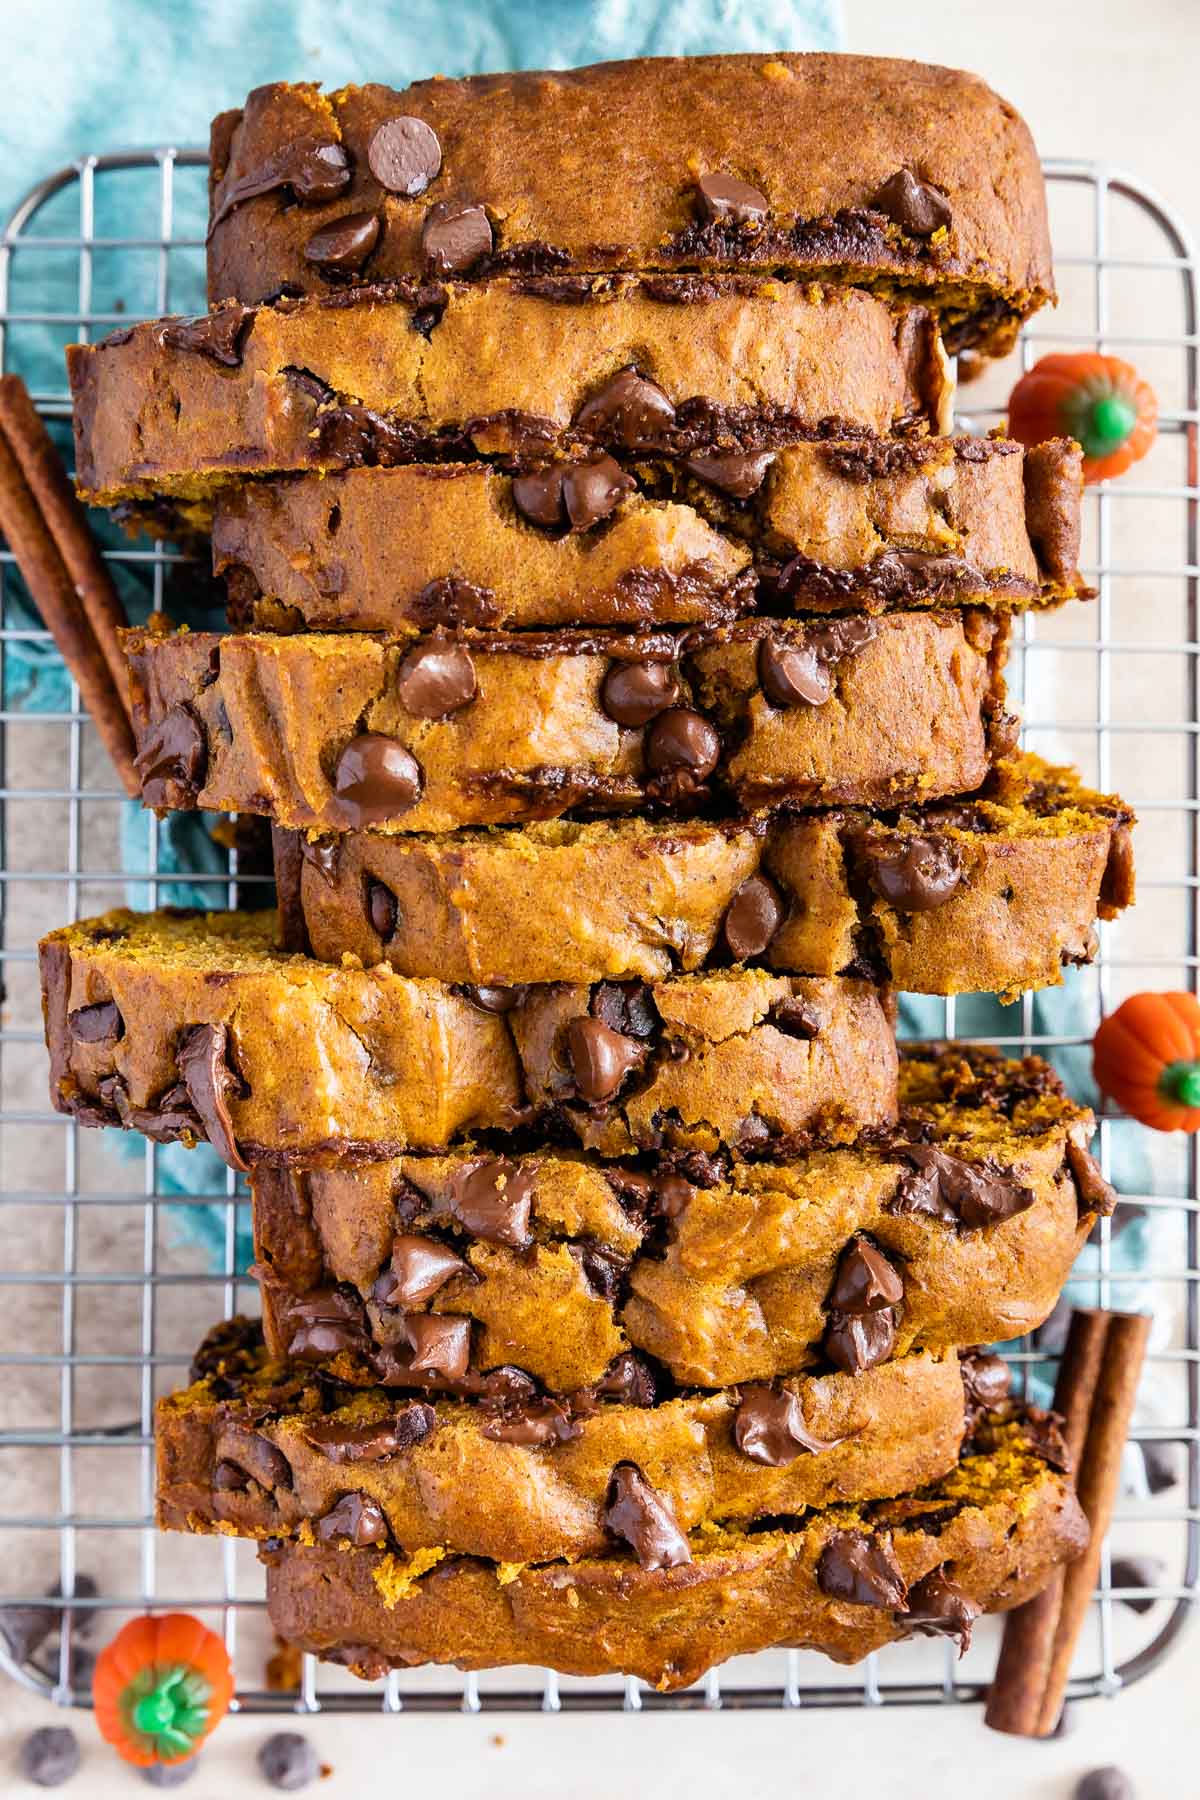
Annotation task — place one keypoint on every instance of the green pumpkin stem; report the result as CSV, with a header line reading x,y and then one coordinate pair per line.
x,y
169,1713
1180,1081
1102,422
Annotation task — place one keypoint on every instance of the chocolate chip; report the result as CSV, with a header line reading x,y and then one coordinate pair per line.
x,y
633,693
986,1382
420,1267
797,1018
752,918
970,1195
376,779
630,409
857,1341
49,1756
218,335
324,855
356,1517
203,1062
645,1519
169,1775
404,155
173,751
436,679
229,1477
673,1195
314,173
769,1427
343,246
538,497
100,1023
440,1343
372,1442
250,1454
288,1761
628,1380
861,1570
1096,1195
1137,1572
682,748
913,873
1162,1466
915,206
909,573
492,999
492,1200
1042,1432
454,236
866,1281
727,201
791,674
383,909
575,494
1108,1783
508,1386
604,1269
534,1425
325,1322
937,1607
739,476
600,1059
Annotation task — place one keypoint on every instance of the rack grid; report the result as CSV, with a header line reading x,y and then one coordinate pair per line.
x,y
95,1253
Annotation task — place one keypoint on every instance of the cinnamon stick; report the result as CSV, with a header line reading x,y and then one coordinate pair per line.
x,y
59,601
1014,1702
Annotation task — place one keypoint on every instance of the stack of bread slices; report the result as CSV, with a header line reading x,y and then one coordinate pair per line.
x,y
617,641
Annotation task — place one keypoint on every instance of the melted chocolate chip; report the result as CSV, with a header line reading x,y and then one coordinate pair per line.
x,y
535,1425
218,335
769,1427
937,1607
492,999
202,1059
492,1200
343,246
866,1281
628,1380
404,155
440,1343
966,1194
604,1269
324,855
682,750
419,1268
861,1570
173,754
436,679
376,778
1042,1432
325,1322
791,674
645,1519
572,494
1096,1195
739,475
100,1023
753,917
917,207
629,409
913,873
908,573
857,1341
797,1018
256,1456
454,237
373,1441
229,1477
600,1059
355,1517
383,910
725,200
314,173
673,1195
986,1380
633,693
538,496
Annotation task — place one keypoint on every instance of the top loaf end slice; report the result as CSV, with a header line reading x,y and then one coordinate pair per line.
x,y
914,180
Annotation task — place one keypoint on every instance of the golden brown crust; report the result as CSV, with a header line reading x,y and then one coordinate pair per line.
x,y
303,1062
325,384
998,1526
909,713
817,135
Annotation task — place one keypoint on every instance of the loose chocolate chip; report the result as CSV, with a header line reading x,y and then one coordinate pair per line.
x,y
383,909
633,693
404,155
970,1195
288,1761
753,917
229,1477
100,1023
861,1570
866,1281
175,751
357,1517
1096,1195
739,476
454,236
630,409
645,1519
314,173
1108,1783
727,201
491,1200
203,1062
913,873
915,206
440,1343
534,1425
857,1341
493,999
343,246
791,674
49,1756
628,1380
24,1629
436,679
937,1607
769,1427
1137,1572
600,1059
420,1267
1162,1467
169,1775
218,335
376,778
682,747
375,1442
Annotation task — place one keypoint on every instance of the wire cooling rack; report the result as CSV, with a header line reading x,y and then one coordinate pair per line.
x,y
107,1282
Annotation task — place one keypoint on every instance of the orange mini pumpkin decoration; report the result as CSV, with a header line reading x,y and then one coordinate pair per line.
x,y
1100,400
161,1687
1146,1057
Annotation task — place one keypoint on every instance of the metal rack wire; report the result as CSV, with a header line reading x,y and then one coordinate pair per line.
x,y
106,1293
